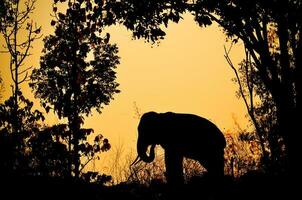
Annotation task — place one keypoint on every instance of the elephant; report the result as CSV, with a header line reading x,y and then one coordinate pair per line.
x,y
181,135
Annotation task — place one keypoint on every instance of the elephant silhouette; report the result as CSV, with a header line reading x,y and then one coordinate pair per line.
x,y
181,135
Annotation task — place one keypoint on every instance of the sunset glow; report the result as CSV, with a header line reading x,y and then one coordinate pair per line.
x,y
185,73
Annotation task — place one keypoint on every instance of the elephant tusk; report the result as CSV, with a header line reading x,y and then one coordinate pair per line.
x,y
137,160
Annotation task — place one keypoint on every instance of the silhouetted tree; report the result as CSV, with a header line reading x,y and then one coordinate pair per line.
x,y
49,154
18,118
2,11
277,60
14,148
19,32
262,113
76,72
1,86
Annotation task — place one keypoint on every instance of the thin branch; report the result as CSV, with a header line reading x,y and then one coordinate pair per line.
x,y
25,70
8,43
250,107
28,45
11,69
228,59
84,165
29,9
249,82
24,79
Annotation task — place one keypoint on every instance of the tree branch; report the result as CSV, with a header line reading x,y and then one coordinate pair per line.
x,y
227,57
25,70
24,79
84,165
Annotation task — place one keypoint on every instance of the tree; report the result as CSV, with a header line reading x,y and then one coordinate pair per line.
x,y
76,72
49,155
14,147
2,10
276,60
19,32
1,87
262,113
18,119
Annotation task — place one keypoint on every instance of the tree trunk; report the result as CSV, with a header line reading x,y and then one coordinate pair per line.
x,y
288,129
74,127
296,140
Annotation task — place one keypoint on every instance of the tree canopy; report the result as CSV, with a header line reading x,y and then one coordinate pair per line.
x,y
77,74
271,31
78,64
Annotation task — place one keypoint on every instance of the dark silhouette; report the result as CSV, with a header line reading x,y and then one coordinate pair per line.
x,y
70,84
18,118
271,33
181,135
77,74
1,86
19,33
33,155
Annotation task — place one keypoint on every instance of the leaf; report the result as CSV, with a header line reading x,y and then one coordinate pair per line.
x,y
38,30
61,16
107,38
47,109
52,23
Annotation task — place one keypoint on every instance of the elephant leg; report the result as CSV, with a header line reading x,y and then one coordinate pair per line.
x,y
215,165
174,169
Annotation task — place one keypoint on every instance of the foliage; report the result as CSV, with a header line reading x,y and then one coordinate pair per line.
x,y
3,12
1,86
145,173
77,74
29,117
270,31
242,154
50,155
14,145
77,68
262,113
19,32
95,177
148,173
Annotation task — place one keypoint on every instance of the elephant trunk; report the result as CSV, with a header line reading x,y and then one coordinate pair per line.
x,y
142,152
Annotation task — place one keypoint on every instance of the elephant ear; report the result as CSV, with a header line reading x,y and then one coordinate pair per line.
x,y
157,125
146,121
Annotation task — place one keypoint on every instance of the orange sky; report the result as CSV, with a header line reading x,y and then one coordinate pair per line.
x,y
186,73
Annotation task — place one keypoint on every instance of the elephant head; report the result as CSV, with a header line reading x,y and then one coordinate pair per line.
x,y
147,136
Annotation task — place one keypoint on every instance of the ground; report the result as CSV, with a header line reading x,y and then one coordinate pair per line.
x,y
248,187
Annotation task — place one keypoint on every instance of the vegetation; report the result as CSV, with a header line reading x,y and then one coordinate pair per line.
x,y
70,83
29,147
15,24
271,34
18,118
1,86
77,75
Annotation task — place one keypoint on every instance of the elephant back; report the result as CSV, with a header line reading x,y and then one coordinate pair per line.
x,y
194,130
